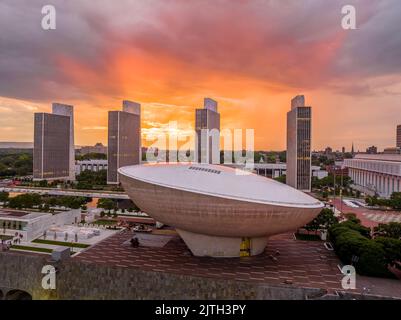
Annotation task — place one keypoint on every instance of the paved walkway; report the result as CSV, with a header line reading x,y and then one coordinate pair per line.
x,y
285,261
369,218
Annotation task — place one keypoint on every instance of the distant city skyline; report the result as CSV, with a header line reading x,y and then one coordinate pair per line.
x,y
168,56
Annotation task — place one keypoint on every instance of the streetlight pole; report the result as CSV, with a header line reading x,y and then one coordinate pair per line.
x,y
334,196
341,190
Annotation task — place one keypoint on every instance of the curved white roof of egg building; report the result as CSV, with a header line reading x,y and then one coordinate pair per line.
x,y
220,181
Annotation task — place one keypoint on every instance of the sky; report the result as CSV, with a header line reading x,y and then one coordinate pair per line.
x,y
251,56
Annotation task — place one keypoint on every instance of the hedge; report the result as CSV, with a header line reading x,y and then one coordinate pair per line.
x,y
349,239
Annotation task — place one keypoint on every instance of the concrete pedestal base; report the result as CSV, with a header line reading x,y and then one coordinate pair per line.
x,y
226,247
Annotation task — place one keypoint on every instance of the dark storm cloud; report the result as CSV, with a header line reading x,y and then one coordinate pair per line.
x,y
293,43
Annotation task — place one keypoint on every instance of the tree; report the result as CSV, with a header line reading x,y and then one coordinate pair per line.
x,y
324,220
390,230
90,179
4,196
43,184
72,202
395,200
392,249
364,231
90,156
27,200
15,163
349,242
107,204
281,179
352,217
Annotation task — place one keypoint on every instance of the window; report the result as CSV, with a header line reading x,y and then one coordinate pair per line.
x,y
205,170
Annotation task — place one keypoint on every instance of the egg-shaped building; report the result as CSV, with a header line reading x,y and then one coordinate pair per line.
x,y
218,211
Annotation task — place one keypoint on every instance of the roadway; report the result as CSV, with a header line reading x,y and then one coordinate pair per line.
x,y
63,192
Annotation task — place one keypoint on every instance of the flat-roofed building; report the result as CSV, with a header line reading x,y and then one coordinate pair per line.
x,y
94,165
299,144
375,173
392,150
276,170
207,127
51,152
68,111
32,225
124,139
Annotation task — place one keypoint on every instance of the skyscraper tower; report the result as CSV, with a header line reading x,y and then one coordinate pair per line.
x,y
207,127
68,111
124,139
54,153
299,120
398,136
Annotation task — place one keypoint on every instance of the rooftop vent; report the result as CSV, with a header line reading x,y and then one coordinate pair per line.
x,y
205,170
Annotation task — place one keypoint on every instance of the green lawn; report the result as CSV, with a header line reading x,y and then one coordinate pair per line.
x,y
133,216
45,250
61,243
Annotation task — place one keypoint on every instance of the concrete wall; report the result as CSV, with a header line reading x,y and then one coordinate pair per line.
x,y
77,280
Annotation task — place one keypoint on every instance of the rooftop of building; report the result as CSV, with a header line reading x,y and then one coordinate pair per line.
x,y
286,261
263,165
220,181
19,215
378,157
91,161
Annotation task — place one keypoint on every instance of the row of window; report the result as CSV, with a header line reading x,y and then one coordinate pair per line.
x,y
205,170
389,168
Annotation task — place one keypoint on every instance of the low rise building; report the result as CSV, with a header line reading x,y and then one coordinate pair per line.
x,y
392,150
376,173
91,165
32,225
276,170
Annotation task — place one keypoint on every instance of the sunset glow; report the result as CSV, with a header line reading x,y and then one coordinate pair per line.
x,y
251,56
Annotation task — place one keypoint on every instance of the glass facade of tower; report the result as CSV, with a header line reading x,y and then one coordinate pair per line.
x,y
51,155
208,140
124,142
299,145
303,148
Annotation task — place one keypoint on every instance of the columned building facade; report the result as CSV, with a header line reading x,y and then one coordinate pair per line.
x,y
91,165
376,174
